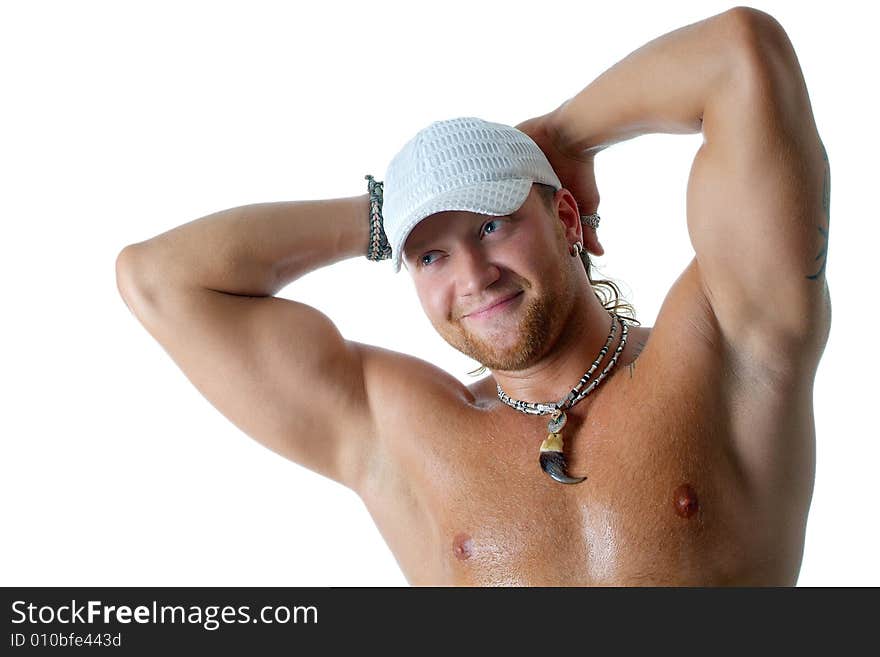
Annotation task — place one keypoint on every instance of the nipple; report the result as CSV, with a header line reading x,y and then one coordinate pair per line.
x,y
462,546
685,501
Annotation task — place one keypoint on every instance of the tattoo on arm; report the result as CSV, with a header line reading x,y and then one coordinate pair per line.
x,y
826,206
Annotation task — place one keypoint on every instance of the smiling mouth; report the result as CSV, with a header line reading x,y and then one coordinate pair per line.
x,y
498,307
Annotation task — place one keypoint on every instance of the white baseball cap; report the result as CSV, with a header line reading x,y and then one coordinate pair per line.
x,y
464,163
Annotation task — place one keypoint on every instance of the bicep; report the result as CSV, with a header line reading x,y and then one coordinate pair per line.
x,y
758,206
277,369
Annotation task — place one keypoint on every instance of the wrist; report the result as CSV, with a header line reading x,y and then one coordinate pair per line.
x,y
572,143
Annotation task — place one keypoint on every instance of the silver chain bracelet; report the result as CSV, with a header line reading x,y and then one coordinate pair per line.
x,y
379,248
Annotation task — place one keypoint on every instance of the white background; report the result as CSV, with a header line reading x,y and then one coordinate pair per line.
x,y
121,120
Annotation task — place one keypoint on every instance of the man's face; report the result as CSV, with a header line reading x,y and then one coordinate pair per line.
x,y
461,262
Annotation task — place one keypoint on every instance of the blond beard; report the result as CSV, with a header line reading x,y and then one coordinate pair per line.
x,y
539,323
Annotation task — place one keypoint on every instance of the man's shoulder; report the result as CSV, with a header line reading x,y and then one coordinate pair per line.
x,y
414,405
394,379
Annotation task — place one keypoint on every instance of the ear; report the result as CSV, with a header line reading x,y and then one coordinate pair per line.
x,y
575,231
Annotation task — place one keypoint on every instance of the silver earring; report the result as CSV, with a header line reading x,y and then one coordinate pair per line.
x,y
576,249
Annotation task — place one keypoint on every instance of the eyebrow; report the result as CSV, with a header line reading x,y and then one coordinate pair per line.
x,y
412,247
416,249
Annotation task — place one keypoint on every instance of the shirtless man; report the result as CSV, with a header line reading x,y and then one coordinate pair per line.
x,y
698,448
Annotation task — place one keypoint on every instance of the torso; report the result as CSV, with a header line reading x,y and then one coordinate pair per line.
x,y
672,496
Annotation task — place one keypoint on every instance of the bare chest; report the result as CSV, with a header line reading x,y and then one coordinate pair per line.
x,y
660,503
665,501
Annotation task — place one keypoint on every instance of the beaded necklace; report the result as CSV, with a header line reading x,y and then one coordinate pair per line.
x,y
551,456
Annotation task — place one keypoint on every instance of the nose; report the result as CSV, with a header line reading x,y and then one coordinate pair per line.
x,y
474,271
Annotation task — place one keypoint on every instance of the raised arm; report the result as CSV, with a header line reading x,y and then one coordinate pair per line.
x,y
759,189
278,369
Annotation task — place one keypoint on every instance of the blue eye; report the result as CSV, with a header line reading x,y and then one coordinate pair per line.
x,y
491,222
422,259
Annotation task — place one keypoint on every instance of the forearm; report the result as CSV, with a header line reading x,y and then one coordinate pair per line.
x,y
661,87
255,250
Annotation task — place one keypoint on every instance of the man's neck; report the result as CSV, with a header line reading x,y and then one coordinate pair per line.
x,y
569,357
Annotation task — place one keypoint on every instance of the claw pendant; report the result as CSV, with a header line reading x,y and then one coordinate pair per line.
x,y
552,458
